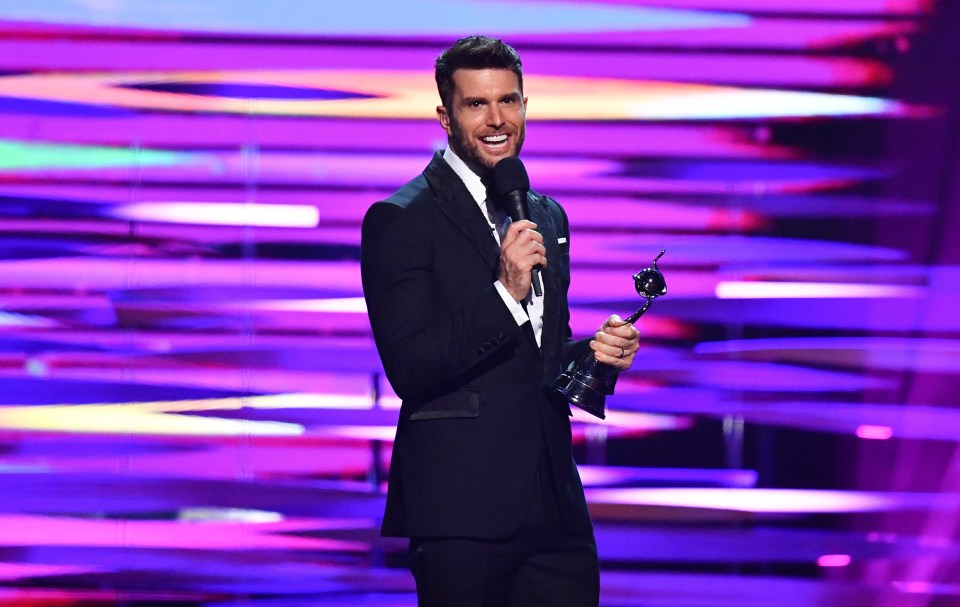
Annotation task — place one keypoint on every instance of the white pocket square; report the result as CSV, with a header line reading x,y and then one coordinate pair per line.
x,y
561,240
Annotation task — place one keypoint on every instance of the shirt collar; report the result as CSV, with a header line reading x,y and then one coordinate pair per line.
x,y
468,177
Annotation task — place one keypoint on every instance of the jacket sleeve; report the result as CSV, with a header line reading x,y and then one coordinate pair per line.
x,y
572,350
424,346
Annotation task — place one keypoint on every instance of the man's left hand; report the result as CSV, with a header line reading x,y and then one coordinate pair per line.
x,y
616,343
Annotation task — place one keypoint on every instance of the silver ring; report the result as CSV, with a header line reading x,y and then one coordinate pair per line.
x,y
621,353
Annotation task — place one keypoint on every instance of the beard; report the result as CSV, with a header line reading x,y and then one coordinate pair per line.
x,y
468,149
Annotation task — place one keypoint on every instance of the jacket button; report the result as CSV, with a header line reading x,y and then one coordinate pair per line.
x,y
480,351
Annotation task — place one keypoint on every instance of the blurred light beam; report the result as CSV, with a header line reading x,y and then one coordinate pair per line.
x,y
875,432
733,289
773,501
834,560
222,214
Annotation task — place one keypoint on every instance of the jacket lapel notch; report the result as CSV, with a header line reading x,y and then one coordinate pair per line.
x,y
461,209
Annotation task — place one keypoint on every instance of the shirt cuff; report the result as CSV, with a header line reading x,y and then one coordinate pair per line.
x,y
519,314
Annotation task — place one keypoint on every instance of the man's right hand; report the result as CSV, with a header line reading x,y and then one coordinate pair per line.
x,y
522,249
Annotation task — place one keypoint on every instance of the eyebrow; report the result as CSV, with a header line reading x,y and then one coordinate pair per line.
x,y
514,96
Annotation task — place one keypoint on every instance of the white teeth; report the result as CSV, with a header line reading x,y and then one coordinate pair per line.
x,y
495,139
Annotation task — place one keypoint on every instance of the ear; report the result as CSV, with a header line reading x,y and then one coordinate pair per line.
x,y
444,119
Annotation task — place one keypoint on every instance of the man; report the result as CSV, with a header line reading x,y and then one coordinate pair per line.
x,y
482,478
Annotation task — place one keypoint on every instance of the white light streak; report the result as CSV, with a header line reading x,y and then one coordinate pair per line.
x,y
221,214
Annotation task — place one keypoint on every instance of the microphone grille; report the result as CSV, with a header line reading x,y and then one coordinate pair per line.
x,y
508,175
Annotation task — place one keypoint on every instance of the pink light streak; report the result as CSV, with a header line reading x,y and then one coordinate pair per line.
x,y
339,305
812,290
87,273
765,501
825,7
19,571
914,587
28,530
875,432
834,560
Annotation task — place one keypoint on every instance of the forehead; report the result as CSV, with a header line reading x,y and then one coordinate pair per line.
x,y
484,82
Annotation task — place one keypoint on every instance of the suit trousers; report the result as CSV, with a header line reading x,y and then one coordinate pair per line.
x,y
541,565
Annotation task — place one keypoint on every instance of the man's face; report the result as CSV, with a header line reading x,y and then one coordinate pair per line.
x,y
487,120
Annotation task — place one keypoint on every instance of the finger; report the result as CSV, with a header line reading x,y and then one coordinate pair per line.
x,y
535,260
536,248
628,332
613,361
613,321
613,351
519,226
621,349
529,235
605,338
613,340
526,254
520,239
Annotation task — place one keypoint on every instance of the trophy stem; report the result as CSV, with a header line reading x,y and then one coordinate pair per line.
x,y
633,317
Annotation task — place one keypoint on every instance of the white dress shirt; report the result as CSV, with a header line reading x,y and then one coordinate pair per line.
x,y
534,311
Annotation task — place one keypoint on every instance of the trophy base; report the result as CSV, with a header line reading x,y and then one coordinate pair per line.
x,y
581,394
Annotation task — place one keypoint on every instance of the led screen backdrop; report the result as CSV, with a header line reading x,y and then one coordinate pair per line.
x,y
192,411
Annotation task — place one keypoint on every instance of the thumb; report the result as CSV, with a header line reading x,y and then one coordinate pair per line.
x,y
613,321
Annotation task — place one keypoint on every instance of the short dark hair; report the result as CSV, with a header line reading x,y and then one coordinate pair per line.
x,y
474,53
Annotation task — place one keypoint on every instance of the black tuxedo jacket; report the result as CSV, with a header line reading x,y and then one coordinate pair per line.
x,y
475,412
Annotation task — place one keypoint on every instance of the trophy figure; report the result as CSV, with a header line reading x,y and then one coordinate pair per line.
x,y
587,382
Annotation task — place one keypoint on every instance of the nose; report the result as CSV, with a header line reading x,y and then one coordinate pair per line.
x,y
495,116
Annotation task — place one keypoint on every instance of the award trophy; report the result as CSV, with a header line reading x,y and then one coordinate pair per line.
x,y
587,382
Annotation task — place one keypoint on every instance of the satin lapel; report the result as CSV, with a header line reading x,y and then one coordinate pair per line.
x,y
540,215
459,206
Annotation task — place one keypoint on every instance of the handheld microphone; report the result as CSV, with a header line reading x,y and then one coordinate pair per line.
x,y
511,184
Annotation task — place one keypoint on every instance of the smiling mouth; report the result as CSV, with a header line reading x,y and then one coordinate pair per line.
x,y
495,141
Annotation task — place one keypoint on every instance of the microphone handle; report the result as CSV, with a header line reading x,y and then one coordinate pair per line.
x,y
535,279
517,209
